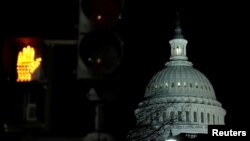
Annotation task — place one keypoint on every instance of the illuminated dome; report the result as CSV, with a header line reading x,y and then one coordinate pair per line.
x,y
180,79
178,97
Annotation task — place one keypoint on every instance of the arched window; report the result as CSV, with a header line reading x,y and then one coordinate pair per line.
x,y
164,116
179,116
179,84
166,84
213,119
196,85
187,116
184,84
157,117
172,115
208,118
178,50
195,116
202,117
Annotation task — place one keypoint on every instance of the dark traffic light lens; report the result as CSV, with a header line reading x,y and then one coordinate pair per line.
x,y
101,51
104,13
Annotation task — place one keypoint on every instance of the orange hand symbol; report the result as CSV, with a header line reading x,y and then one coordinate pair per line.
x,y
27,64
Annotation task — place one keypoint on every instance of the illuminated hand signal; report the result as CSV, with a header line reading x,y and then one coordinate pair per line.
x,y
27,64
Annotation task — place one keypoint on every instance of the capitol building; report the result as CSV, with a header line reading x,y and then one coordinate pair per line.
x,y
178,99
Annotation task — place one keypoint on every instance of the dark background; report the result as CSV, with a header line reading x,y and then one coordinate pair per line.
x,y
218,45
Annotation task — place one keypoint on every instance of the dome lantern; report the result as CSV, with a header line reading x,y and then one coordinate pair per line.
x,y
178,43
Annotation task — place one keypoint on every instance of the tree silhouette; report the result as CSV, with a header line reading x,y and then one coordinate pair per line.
x,y
153,120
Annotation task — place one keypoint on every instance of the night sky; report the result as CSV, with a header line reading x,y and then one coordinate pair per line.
x,y
217,35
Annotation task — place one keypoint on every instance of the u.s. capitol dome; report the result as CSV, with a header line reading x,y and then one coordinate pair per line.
x,y
179,98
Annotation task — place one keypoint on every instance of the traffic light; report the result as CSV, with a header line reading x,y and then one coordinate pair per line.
x,y
102,13
100,47
23,59
25,84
